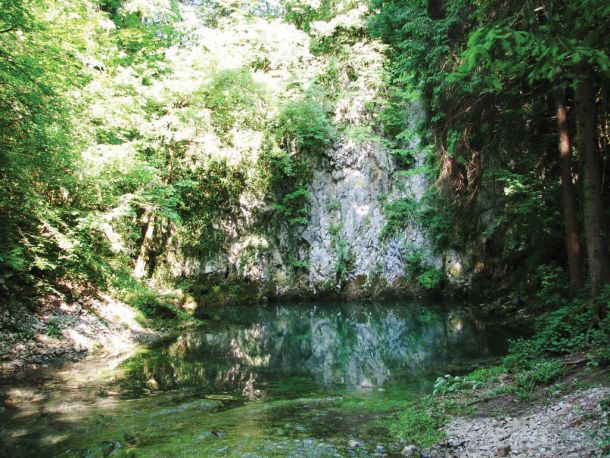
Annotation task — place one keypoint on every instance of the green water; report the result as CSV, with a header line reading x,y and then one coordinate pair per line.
x,y
286,380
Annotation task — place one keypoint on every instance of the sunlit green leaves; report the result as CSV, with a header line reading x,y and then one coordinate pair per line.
x,y
235,101
305,125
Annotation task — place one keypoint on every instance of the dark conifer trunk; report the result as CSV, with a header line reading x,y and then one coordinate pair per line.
x,y
593,208
568,194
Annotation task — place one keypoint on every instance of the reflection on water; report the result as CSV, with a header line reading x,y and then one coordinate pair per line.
x,y
259,367
245,350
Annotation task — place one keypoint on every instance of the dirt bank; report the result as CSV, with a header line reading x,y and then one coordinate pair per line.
x,y
57,331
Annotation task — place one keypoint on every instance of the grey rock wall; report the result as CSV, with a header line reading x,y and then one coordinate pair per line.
x,y
346,208
347,200
343,245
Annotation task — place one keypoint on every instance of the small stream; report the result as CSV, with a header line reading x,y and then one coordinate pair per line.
x,y
307,380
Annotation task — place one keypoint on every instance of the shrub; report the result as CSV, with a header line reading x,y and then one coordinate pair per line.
x,y
520,355
435,213
431,277
305,125
235,100
564,330
417,426
139,296
486,375
542,372
53,329
427,276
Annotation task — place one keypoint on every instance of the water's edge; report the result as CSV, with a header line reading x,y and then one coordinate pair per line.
x,y
285,380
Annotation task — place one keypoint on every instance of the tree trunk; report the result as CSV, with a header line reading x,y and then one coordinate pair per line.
x,y
143,257
148,242
568,194
593,209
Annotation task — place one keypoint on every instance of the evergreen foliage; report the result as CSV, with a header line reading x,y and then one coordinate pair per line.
x,y
487,74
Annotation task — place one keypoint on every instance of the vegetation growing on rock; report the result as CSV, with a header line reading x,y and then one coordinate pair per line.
x,y
180,155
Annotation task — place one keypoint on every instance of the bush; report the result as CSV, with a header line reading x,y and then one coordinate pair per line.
x,y
147,302
541,372
431,277
305,125
139,296
53,328
417,426
473,381
564,330
235,100
521,353
435,213
486,375
427,276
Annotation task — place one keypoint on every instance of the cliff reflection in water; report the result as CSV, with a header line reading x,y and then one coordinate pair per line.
x,y
244,351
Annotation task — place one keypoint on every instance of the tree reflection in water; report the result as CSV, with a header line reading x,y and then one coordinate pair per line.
x,y
246,351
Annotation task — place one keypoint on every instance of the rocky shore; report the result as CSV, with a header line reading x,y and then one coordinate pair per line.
x,y
571,426
574,425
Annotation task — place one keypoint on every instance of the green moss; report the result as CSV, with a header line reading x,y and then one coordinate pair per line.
x,y
374,404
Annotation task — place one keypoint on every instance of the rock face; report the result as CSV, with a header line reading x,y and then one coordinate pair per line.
x,y
343,244
347,217
344,235
344,249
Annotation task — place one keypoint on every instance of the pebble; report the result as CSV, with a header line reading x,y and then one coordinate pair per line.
x,y
503,450
455,443
410,450
353,443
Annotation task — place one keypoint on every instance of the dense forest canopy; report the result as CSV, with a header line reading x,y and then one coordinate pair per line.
x,y
422,187
132,129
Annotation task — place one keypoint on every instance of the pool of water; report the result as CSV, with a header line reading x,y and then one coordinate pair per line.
x,y
284,380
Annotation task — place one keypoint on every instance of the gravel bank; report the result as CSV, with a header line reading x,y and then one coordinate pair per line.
x,y
572,426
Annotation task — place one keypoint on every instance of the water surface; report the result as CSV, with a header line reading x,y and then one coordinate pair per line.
x,y
285,380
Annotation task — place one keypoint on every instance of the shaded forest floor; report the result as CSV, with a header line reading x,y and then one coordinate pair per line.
x,y
57,330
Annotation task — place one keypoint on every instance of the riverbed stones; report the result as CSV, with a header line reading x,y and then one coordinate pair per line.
x,y
26,340
410,450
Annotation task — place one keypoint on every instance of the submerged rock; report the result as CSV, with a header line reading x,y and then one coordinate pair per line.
x,y
201,404
353,444
220,397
